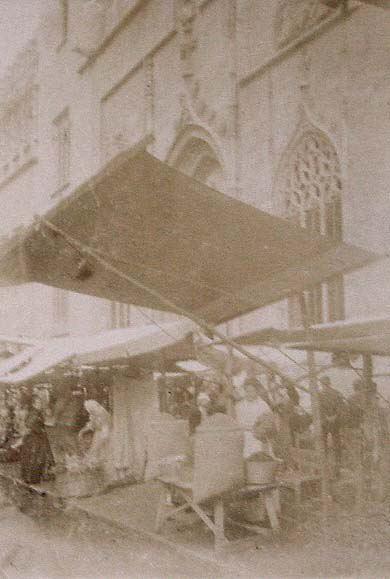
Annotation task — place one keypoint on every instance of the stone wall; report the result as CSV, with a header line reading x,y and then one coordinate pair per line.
x,y
234,84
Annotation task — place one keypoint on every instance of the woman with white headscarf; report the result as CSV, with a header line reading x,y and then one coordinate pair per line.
x,y
100,424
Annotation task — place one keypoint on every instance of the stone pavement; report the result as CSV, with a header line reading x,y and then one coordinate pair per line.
x,y
132,509
111,535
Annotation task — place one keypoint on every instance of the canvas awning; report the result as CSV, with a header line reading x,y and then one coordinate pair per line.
x,y
385,4
9,345
364,336
17,340
207,253
141,345
270,336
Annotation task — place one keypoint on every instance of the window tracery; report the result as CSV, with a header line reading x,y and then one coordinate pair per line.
x,y
312,183
311,187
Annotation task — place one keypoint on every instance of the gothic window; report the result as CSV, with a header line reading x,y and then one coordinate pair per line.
x,y
311,187
294,17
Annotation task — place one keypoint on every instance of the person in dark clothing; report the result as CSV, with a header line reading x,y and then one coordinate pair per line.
x,y
194,419
36,458
10,447
331,411
356,405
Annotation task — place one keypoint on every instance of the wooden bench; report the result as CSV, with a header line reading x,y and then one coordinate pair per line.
x,y
217,470
212,511
308,471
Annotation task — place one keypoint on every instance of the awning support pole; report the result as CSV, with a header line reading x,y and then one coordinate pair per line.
x,y
369,412
209,328
315,405
229,378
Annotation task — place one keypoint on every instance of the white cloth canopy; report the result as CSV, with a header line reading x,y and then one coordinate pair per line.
x,y
121,344
357,336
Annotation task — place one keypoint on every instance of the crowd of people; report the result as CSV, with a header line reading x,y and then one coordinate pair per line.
x,y
42,431
45,432
354,428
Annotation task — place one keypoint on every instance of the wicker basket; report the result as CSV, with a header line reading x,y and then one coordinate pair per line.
x,y
77,485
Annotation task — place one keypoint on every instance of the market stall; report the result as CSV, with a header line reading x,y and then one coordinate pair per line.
x,y
115,368
142,233
360,351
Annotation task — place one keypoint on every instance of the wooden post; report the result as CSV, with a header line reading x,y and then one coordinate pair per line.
x,y
367,369
229,377
370,417
162,392
315,405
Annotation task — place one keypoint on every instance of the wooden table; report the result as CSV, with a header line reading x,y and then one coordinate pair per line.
x,y
215,522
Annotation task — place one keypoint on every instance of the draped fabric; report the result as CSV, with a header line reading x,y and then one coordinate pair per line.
x,y
121,440
135,404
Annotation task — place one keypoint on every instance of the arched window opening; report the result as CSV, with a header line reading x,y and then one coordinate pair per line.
x,y
311,187
197,159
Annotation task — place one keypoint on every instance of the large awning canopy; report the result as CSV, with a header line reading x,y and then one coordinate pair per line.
x,y
385,4
364,336
145,347
173,238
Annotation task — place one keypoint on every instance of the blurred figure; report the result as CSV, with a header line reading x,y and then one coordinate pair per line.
x,y
203,401
292,421
248,411
194,416
11,440
67,418
331,413
356,403
99,424
37,461
218,402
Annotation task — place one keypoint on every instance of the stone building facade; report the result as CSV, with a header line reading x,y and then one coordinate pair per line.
x,y
283,104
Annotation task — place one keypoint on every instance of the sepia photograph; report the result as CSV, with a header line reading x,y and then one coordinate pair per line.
x,y
194,289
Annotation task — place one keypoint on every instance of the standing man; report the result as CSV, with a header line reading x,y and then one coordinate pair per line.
x,y
248,410
331,411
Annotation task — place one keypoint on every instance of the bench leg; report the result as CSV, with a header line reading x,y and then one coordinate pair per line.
x,y
166,510
276,499
161,516
271,512
219,530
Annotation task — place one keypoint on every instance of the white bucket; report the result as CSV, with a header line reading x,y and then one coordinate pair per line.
x,y
260,472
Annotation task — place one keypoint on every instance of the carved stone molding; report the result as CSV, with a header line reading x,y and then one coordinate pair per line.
x,y
295,17
101,19
195,107
148,67
18,116
21,75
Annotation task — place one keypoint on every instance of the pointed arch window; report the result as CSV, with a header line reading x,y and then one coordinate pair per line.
x,y
311,187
